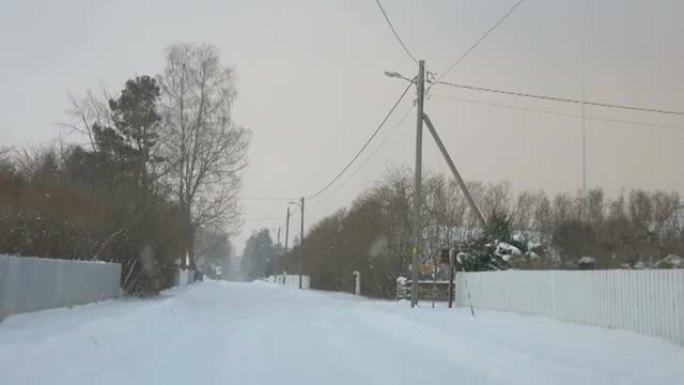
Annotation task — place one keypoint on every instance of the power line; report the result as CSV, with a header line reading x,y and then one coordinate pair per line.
x,y
394,31
382,143
394,107
263,219
264,199
564,100
510,107
480,40
384,140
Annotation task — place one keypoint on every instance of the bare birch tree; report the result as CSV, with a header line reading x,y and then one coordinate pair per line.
x,y
204,149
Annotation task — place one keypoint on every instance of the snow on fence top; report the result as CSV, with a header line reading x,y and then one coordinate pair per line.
x,y
57,260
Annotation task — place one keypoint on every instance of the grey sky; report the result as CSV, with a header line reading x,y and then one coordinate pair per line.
x,y
311,84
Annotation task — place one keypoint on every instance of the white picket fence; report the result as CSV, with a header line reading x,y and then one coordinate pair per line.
x,y
649,302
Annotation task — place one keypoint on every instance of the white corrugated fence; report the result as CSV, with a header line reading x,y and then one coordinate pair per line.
x,y
30,284
649,302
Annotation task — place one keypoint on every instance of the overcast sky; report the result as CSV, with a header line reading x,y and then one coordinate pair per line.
x,y
311,85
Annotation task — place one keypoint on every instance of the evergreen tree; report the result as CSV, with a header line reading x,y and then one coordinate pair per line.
x,y
258,255
490,251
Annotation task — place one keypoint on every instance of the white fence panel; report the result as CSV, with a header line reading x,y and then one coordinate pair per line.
x,y
184,277
30,284
290,280
649,302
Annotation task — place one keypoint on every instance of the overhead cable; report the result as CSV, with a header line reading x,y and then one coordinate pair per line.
x,y
394,31
561,99
353,159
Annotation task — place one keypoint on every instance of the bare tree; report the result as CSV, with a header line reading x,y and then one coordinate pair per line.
x,y
472,227
204,149
87,111
395,193
5,160
596,206
523,211
497,199
542,215
665,206
456,208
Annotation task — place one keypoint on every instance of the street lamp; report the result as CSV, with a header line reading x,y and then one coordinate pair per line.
x,y
394,74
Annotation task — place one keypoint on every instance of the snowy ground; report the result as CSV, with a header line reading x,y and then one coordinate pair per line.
x,y
221,333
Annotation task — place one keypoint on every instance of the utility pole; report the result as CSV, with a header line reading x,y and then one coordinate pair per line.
x,y
287,238
287,227
417,251
301,243
417,230
452,257
277,257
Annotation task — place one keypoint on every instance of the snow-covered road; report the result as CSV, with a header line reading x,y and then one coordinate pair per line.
x,y
224,333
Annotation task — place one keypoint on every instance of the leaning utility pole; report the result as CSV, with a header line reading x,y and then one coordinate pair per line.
x,y
454,171
417,231
301,243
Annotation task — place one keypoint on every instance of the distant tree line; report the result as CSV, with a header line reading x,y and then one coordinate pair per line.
x,y
153,187
637,229
259,255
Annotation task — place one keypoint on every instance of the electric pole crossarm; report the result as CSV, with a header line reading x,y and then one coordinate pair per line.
x,y
454,171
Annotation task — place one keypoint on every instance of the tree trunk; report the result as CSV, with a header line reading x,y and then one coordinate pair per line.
x,y
191,251
190,231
